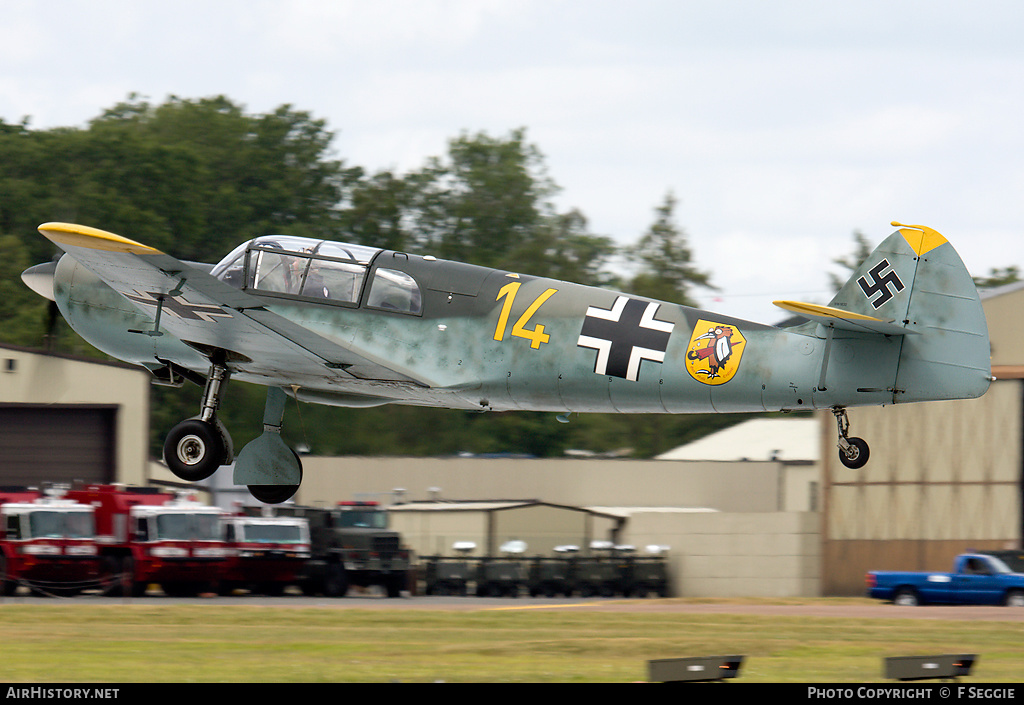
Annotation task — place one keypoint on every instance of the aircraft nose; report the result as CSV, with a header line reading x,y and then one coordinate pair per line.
x,y
40,278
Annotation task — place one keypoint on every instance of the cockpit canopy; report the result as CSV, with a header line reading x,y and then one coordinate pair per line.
x,y
305,268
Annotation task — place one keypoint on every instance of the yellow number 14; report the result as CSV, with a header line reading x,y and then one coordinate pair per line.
x,y
536,335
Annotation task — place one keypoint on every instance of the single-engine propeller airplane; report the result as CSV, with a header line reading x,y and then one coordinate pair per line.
x,y
348,325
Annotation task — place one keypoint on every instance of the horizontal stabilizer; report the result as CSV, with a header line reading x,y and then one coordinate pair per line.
x,y
843,319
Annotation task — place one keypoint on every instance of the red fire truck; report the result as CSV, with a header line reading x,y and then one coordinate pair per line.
x,y
148,536
268,552
47,542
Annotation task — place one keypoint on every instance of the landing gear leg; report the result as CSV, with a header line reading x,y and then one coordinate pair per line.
x,y
853,452
196,447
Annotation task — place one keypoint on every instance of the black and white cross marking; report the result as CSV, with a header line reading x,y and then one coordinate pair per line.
x,y
625,335
178,306
879,284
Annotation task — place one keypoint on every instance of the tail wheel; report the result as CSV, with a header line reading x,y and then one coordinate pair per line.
x,y
855,455
194,449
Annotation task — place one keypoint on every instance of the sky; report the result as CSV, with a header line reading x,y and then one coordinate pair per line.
x,y
781,127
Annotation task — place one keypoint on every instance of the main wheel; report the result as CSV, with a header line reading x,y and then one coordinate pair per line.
x,y
856,456
1014,598
194,449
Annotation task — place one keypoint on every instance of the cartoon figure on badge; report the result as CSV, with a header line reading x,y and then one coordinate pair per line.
x,y
714,353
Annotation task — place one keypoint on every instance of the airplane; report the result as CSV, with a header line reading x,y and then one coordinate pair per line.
x,y
350,325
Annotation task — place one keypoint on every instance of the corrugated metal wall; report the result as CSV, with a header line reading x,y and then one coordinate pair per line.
x,y
943,477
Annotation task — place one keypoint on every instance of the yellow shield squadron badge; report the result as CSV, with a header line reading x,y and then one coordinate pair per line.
x,y
714,353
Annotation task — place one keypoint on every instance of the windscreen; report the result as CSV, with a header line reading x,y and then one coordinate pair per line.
x,y
356,518
272,533
187,527
59,525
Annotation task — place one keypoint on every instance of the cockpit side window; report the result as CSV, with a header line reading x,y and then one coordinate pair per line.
x,y
392,290
340,281
279,272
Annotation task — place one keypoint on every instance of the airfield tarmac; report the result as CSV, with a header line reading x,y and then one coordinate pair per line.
x,y
843,608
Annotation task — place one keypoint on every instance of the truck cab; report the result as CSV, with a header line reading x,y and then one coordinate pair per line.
x,y
149,536
352,546
267,553
48,542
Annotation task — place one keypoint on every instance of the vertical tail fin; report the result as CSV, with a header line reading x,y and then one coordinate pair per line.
x,y
916,279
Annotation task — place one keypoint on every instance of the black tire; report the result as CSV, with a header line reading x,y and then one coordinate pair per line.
x,y
393,585
7,587
857,457
194,449
906,597
1014,598
335,582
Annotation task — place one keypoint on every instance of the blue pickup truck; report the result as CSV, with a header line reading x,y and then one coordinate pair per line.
x,y
977,579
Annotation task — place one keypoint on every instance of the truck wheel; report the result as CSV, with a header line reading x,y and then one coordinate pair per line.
x,y
7,587
335,582
394,585
1014,598
905,597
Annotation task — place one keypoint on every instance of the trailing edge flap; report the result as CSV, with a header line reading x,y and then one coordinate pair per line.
x,y
844,320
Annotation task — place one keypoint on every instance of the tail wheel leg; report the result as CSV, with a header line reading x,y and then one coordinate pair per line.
x,y
853,451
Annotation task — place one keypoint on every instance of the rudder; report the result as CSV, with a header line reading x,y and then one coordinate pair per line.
x,y
917,280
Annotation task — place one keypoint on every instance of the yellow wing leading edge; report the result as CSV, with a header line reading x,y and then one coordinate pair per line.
x,y
93,239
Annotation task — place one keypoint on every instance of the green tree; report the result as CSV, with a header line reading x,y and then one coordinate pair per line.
x,y
998,276
862,248
667,271
194,177
377,210
23,314
489,196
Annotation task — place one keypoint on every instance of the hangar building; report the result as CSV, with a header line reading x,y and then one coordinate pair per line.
x,y
64,418
943,477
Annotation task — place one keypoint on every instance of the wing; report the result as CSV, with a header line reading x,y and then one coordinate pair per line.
x,y
208,314
844,320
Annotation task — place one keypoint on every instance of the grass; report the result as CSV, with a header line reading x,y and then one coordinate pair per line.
x,y
144,643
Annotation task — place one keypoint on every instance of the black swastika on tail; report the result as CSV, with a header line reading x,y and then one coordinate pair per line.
x,y
879,284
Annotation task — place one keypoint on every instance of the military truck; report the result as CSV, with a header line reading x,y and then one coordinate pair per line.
x,y
449,575
643,575
504,575
553,575
351,544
